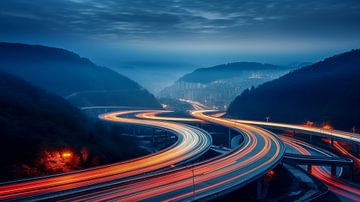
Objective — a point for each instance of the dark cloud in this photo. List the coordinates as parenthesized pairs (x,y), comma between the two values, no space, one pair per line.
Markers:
(178,21)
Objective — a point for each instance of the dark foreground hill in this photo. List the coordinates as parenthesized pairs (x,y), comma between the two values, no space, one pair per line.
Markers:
(38,128)
(67,74)
(327,91)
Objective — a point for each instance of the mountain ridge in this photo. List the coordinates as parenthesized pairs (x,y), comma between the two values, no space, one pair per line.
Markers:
(37,126)
(64,72)
(326,91)
(216,86)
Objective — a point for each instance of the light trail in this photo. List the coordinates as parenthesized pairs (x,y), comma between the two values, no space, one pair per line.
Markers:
(195,104)
(191,143)
(154,116)
(258,154)
(336,185)
(342,135)
(345,152)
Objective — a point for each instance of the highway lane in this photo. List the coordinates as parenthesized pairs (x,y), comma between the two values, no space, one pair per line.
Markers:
(195,104)
(191,143)
(154,115)
(343,189)
(258,154)
(329,133)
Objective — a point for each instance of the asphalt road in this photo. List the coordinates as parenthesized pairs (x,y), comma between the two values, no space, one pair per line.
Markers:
(258,154)
(191,143)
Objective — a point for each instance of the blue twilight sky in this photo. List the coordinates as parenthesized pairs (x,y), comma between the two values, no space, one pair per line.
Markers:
(198,32)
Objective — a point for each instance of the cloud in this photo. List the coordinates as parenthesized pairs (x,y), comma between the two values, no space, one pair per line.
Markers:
(181,20)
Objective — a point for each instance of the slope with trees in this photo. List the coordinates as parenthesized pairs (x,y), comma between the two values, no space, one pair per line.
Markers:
(327,91)
(67,74)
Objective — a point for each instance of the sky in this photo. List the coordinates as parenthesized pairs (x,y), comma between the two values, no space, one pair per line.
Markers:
(188,32)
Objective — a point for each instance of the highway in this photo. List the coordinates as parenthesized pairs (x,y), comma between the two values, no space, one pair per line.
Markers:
(154,116)
(190,144)
(338,186)
(343,189)
(329,133)
(258,154)
(134,180)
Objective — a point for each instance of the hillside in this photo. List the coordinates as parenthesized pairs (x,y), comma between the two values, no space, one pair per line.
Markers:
(218,85)
(36,128)
(68,75)
(327,91)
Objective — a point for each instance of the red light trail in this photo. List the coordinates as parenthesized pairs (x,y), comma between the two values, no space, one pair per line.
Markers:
(258,154)
(191,142)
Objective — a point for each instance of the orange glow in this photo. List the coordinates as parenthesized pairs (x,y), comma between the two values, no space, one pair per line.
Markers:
(190,143)
(327,127)
(353,137)
(271,173)
(309,123)
(260,151)
(66,154)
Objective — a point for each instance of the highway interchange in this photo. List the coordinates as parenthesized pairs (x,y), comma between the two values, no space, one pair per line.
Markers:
(169,175)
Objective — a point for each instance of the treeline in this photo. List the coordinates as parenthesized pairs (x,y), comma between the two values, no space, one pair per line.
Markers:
(38,130)
(327,91)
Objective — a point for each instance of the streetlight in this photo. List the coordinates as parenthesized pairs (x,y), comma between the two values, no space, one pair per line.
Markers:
(267,118)
(193,182)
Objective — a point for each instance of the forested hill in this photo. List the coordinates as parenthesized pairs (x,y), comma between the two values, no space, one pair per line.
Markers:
(71,76)
(36,127)
(327,91)
(227,71)
(217,86)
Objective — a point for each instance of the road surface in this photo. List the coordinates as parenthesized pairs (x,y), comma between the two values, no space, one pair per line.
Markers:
(329,133)
(258,154)
(345,190)
(191,143)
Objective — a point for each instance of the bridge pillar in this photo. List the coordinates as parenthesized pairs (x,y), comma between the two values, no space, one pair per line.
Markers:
(229,133)
(309,168)
(311,139)
(356,148)
(332,142)
(333,170)
(153,135)
(351,170)
(260,188)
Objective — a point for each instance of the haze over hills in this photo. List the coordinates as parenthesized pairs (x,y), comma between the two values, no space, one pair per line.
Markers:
(36,127)
(67,74)
(218,85)
(155,75)
(327,91)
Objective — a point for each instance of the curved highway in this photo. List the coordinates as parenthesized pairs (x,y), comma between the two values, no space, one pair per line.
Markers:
(329,133)
(342,188)
(154,116)
(191,143)
(338,186)
(258,154)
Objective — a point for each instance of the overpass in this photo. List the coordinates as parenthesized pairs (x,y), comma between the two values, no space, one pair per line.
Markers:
(352,138)
(310,161)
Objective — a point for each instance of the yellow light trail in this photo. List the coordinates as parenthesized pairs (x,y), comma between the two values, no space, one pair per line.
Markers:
(191,143)
(258,154)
